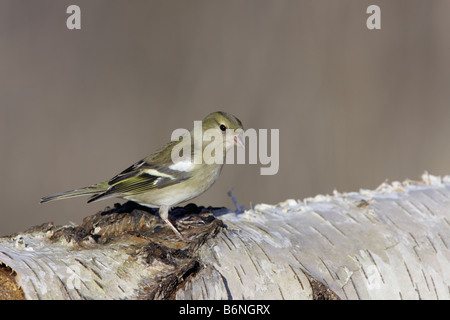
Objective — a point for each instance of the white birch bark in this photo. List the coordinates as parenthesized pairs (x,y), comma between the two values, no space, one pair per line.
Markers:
(389,243)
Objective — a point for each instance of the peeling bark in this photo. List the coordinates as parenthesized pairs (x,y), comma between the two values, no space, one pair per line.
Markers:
(390,243)
(9,289)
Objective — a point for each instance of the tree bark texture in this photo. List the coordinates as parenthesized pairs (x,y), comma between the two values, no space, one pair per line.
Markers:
(388,243)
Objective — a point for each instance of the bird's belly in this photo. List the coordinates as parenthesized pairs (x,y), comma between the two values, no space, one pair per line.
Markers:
(170,197)
(173,195)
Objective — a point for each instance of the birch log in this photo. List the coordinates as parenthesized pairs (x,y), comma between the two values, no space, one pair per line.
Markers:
(388,243)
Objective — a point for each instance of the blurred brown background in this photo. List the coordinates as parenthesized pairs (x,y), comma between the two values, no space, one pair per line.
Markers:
(354,106)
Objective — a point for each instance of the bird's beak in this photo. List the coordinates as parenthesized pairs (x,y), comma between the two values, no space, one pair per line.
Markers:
(239,141)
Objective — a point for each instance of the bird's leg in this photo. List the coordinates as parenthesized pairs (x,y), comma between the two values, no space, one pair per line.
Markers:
(164,214)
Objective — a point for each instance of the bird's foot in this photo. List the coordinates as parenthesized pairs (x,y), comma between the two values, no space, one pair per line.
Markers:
(178,233)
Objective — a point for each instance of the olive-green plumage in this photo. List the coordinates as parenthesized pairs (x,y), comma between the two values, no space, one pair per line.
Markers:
(158,181)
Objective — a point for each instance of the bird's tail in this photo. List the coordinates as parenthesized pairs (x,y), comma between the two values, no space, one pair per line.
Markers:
(91,190)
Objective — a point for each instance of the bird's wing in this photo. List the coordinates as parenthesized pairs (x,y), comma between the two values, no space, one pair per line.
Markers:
(142,177)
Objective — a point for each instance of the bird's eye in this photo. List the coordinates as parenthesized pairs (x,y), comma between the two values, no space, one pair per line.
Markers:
(222,127)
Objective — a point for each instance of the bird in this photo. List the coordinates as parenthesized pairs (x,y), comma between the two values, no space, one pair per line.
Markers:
(164,179)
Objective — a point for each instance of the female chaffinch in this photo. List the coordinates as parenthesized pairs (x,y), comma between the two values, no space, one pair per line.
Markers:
(159,181)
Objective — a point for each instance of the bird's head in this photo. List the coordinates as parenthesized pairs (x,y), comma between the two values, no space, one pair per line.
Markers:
(225,125)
